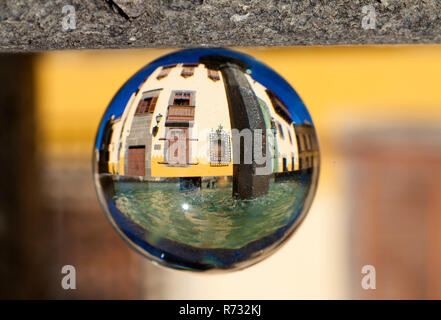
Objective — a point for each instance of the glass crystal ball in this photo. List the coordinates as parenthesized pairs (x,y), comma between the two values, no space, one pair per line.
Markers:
(206,160)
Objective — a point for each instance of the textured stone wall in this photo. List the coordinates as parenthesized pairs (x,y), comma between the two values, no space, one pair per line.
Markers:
(35,25)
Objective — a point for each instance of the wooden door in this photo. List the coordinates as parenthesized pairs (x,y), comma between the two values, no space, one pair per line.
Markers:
(136,161)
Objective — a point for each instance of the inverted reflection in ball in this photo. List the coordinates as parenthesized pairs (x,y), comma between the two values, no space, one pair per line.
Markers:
(206,159)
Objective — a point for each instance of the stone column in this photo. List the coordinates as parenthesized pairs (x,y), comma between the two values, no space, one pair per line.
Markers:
(245,113)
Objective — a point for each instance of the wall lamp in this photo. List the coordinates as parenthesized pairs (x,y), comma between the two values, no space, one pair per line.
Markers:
(155,128)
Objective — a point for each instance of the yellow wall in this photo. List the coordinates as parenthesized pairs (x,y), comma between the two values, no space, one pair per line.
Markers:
(341,86)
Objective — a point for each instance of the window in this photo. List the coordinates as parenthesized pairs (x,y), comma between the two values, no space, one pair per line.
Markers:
(213,74)
(300,142)
(307,142)
(188,70)
(279,106)
(279,127)
(289,136)
(146,105)
(182,98)
(311,141)
(165,71)
(181,110)
(220,148)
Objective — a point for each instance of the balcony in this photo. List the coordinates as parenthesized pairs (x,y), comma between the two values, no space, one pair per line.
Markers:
(179,115)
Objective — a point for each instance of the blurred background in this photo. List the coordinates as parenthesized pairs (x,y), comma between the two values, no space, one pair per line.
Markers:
(377,111)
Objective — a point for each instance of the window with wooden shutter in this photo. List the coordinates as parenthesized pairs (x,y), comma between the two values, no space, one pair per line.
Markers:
(181,110)
(146,105)
(213,74)
(165,70)
(220,148)
(182,98)
(188,70)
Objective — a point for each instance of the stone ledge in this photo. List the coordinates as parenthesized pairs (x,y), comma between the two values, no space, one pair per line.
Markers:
(36,25)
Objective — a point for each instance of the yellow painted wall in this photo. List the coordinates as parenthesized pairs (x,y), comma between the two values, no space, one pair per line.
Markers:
(341,86)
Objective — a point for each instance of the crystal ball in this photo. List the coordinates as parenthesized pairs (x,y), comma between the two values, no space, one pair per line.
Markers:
(206,160)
